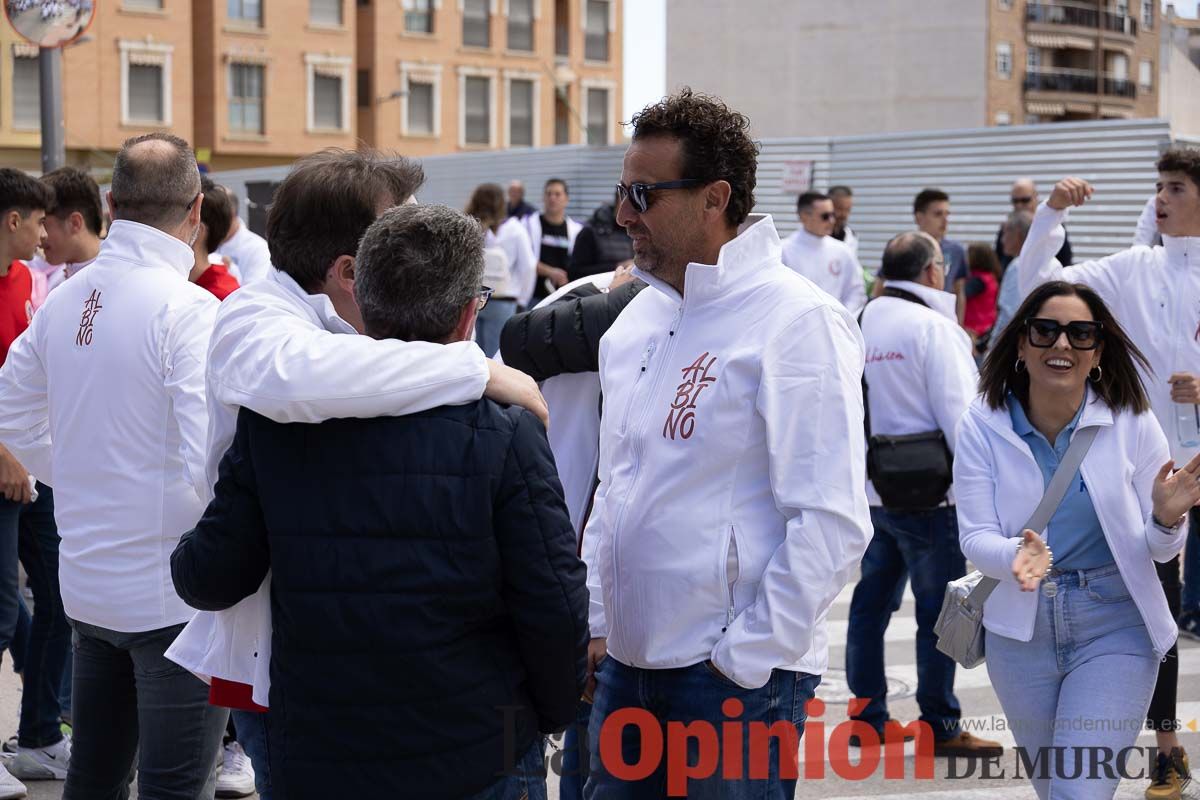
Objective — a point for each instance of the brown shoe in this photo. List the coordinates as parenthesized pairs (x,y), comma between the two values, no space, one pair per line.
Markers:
(1171,776)
(968,746)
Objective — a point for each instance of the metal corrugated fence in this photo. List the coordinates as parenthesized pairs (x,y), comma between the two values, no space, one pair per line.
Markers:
(976,167)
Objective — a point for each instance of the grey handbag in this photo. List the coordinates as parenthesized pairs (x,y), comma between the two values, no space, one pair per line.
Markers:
(959,626)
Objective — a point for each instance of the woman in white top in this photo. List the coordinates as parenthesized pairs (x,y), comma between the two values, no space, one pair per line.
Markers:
(488,206)
(1079,623)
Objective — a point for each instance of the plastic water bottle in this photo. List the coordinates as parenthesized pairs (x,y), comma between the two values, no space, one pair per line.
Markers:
(1187,419)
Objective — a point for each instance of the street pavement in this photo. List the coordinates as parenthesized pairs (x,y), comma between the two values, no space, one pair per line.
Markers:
(979,704)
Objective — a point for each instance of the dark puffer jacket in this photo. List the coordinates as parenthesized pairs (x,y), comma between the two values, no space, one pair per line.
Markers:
(600,246)
(429,611)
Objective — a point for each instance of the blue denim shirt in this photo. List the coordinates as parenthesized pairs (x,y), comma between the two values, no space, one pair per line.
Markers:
(1074,533)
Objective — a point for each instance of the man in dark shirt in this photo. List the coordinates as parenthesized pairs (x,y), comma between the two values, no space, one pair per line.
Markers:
(553,236)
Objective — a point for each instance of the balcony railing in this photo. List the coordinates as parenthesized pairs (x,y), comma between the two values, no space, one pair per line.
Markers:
(1120,23)
(1078,81)
(1081,16)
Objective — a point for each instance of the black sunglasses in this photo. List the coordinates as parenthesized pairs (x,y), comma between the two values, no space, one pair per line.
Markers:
(828,216)
(1021,200)
(1082,335)
(638,194)
(485,294)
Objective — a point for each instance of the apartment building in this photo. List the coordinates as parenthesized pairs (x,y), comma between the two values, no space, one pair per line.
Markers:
(261,82)
(459,75)
(807,67)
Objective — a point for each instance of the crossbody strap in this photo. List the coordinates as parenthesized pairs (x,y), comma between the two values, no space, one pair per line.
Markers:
(900,294)
(1055,492)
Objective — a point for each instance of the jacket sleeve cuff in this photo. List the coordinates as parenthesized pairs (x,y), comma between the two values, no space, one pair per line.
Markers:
(994,556)
(1164,543)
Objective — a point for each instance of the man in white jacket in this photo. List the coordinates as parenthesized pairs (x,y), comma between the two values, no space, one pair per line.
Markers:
(825,261)
(103,398)
(1155,294)
(245,248)
(286,348)
(920,378)
(731,509)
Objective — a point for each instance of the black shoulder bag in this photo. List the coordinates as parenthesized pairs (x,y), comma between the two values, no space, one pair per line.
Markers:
(911,472)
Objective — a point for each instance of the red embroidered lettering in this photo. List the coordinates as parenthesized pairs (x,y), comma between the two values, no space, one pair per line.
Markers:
(874,356)
(681,419)
(90,309)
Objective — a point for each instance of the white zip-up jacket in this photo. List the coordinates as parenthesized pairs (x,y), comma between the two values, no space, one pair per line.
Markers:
(999,485)
(1154,292)
(731,509)
(249,253)
(522,263)
(110,376)
(829,264)
(286,354)
(920,373)
(533,226)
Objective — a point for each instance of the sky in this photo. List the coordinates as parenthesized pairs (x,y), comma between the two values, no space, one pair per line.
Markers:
(646,50)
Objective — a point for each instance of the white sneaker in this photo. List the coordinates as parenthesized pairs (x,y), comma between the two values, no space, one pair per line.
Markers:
(235,776)
(10,787)
(42,763)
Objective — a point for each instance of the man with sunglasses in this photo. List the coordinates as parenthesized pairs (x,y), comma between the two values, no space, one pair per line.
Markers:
(1024,197)
(1155,293)
(730,510)
(814,253)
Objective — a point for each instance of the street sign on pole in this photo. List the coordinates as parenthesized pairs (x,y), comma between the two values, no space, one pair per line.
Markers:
(51,25)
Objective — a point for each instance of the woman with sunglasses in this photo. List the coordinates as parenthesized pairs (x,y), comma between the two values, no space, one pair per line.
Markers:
(1079,623)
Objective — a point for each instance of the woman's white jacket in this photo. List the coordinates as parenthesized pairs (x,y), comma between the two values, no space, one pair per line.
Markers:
(998,485)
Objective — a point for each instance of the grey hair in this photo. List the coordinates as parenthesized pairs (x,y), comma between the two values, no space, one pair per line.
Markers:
(155,179)
(1019,221)
(906,255)
(417,266)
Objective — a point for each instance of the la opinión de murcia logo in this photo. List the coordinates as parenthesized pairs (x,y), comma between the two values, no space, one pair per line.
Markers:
(90,309)
(681,419)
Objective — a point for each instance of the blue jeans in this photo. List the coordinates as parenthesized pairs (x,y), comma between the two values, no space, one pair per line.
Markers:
(527,781)
(1082,682)
(695,694)
(251,728)
(924,546)
(34,537)
(1191,565)
(575,755)
(131,703)
(490,322)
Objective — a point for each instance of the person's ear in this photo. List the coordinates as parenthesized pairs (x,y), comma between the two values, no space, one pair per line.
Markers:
(342,273)
(466,321)
(112,206)
(716,198)
(193,217)
(12,220)
(75,223)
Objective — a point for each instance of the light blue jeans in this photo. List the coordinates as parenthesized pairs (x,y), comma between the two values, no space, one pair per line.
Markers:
(1082,682)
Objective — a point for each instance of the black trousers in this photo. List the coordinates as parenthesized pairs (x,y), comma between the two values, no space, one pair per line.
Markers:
(1162,716)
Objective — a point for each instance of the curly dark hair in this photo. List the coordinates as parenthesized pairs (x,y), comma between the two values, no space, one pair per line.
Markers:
(716,144)
(1120,384)
(1182,159)
(75,191)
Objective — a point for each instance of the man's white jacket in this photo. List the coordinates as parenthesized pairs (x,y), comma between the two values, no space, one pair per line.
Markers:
(829,264)
(1154,292)
(103,399)
(920,373)
(286,354)
(999,485)
(731,509)
(249,253)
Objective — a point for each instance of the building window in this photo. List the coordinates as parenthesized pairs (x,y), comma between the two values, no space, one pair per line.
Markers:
(246,98)
(562,116)
(419,120)
(328,92)
(1003,118)
(1121,7)
(26,93)
(142,5)
(245,11)
(477,23)
(145,83)
(521,103)
(562,27)
(1033,59)
(1148,14)
(1004,60)
(418,16)
(1146,74)
(325,12)
(596,31)
(1005,5)
(597,116)
(520,25)
(477,110)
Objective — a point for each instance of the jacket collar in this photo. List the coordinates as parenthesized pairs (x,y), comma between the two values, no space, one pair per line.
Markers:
(941,302)
(143,245)
(320,304)
(809,240)
(1182,251)
(757,242)
(1095,413)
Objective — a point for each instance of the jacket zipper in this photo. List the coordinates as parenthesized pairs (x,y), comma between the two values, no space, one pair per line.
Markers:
(731,577)
(637,453)
(647,354)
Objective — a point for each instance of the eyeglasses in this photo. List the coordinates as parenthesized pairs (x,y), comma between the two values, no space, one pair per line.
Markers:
(828,216)
(188,207)
(1082,335)
(1020,201)
(638,194)
(485,294)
